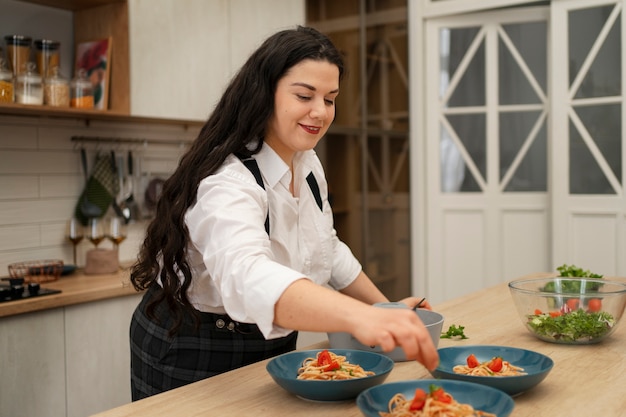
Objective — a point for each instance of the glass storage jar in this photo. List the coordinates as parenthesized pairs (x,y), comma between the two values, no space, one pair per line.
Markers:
(29,86)
(47,52)
(6,83)
(81,91)
(18,52)
(56,89)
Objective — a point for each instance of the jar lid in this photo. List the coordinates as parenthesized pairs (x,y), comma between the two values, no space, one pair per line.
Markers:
(17,40)
(47,44)
(3,65)
(80,80)
(30,76)
(55,76)
(5,74)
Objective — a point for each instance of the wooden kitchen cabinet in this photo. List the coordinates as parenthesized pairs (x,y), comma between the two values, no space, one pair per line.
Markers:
(184,53)
(32,364)
(98,355)
(70,361)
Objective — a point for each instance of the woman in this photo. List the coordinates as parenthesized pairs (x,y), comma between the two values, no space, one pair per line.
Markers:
(242,251)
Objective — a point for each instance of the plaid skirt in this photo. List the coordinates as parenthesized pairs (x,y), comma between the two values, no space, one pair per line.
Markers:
(160,363)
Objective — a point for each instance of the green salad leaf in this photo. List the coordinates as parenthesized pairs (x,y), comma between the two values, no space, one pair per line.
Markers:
(572,286)
(574,271)
(575,326)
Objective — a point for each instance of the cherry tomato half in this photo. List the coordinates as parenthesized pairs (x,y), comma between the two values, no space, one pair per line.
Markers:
(324,358)
(440,395)
(594,305)
(572,303)
(496,364)
(472,362)
(419,400)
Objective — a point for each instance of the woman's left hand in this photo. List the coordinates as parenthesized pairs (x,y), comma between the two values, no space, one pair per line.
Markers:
(412,302)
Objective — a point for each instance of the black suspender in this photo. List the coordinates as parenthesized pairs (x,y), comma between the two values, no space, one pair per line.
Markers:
(252,165)
(254,168)
(315,189)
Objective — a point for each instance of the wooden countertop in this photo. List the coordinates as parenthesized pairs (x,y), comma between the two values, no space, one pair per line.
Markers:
(585,380)
(76,288)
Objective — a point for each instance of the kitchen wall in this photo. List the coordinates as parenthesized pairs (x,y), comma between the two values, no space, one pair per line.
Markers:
(41,180)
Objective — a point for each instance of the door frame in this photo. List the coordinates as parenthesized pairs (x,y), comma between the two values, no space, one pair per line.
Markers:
(429,267)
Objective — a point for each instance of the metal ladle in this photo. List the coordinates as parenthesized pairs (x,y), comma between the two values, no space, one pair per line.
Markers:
(88,208)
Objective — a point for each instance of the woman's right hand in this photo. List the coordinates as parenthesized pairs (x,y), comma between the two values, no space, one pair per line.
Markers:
(307,306)
(391,328)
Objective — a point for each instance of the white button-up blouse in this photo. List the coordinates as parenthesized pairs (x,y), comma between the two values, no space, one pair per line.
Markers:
(239,271)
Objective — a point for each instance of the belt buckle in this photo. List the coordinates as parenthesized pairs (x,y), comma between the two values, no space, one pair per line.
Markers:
(232,326)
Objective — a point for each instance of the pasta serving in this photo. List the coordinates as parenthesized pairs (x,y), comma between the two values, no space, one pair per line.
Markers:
(494,367)
(330,366)
(436,403)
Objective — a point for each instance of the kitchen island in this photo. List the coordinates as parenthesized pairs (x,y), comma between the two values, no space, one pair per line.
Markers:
(585,380)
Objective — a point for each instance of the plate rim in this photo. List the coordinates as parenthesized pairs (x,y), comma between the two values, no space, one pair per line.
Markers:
(387,363)
(510,403)
(513,385)
(384,358)
(512,348)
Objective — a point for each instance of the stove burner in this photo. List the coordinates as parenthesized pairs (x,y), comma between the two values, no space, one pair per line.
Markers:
(16,290)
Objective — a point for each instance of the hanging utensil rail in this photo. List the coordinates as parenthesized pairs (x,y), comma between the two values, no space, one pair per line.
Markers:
(145,142)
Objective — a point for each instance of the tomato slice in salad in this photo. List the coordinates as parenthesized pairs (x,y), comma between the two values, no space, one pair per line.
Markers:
(572,303)
(594,305)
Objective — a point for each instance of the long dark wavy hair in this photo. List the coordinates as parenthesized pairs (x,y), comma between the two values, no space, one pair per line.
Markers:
(238,120)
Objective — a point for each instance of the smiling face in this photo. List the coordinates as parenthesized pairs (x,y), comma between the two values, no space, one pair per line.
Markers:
(304,107)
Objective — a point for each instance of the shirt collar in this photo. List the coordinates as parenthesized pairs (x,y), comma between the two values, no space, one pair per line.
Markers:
(274,169)
(271,165)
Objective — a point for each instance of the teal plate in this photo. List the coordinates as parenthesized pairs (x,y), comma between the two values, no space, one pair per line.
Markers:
(536,366)
(284,370)
(480,397)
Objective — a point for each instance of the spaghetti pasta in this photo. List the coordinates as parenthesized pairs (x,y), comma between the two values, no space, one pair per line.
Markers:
(487,368)
(435,404)
(330,366)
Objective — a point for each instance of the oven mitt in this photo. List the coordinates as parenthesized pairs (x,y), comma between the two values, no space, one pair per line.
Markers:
(101,189)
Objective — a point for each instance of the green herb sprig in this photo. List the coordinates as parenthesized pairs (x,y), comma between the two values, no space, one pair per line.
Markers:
(454,332)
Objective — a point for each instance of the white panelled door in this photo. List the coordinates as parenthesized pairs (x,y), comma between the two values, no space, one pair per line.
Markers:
(589,203)
(486,133)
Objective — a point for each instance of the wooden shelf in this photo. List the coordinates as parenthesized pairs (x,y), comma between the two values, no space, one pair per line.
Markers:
(14,109)
(73,5)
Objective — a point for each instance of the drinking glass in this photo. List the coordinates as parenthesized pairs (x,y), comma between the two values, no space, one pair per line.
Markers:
(74,233)
(95,232)
(116,231)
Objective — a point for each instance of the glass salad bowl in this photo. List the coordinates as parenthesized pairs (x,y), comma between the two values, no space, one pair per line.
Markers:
(569,310)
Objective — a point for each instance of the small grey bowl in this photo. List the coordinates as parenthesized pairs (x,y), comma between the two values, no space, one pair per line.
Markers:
(431,319)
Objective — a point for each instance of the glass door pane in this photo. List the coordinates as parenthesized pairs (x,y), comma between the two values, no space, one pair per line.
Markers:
(520,111)
(595,85)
